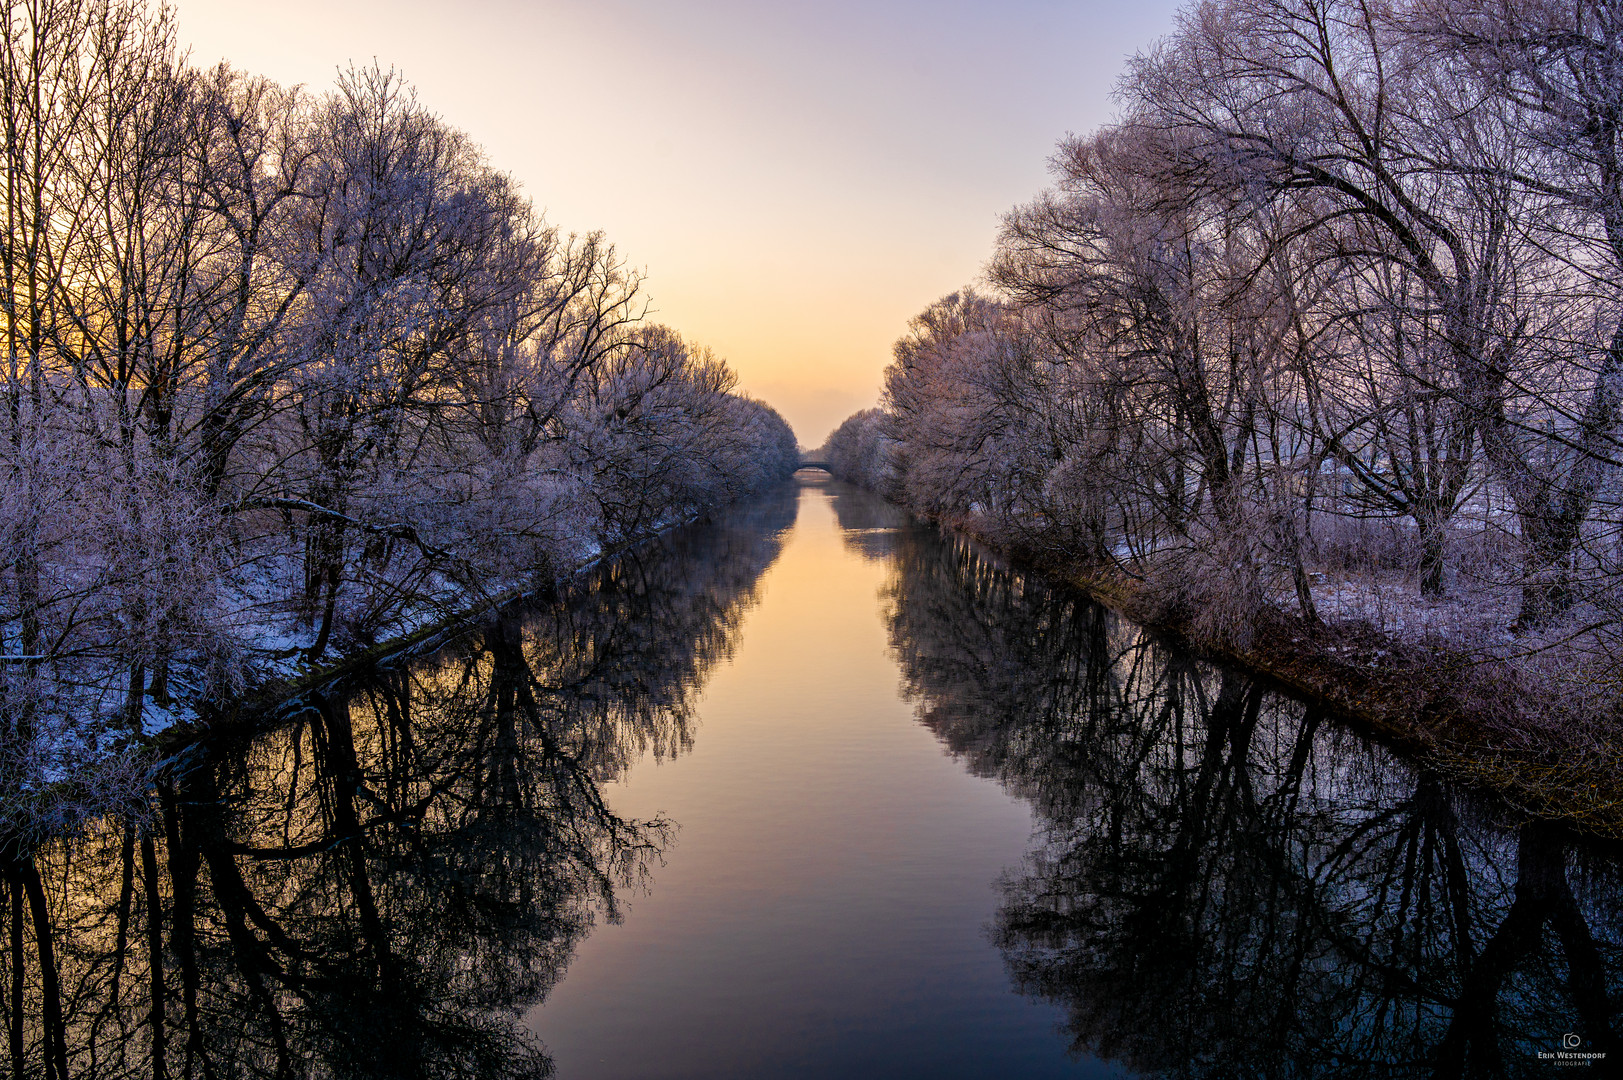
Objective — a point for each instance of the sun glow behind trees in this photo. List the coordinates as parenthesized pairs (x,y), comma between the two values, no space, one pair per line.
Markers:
(797,178)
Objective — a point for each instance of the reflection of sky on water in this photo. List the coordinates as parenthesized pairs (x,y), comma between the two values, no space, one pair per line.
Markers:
(824,911)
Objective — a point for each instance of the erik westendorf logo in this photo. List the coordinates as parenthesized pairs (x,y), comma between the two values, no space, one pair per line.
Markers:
(1570,1054)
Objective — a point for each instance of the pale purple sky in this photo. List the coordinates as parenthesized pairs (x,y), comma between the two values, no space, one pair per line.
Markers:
(797,179)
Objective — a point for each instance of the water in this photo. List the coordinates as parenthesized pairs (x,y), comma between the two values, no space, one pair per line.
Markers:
(815,791)
(823,911)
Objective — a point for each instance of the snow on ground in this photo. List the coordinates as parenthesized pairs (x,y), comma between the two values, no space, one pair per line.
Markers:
(1461,617)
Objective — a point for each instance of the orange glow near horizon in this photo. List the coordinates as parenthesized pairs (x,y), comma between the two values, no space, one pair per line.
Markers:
(797,180)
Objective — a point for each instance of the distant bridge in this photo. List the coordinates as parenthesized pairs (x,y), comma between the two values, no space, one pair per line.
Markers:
(806,463)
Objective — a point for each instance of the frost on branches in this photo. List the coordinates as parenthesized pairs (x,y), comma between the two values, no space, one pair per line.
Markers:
(286,376)
(1329,322)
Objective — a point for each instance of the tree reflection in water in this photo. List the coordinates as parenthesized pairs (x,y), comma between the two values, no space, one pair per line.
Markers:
(1225,883)
(385,883)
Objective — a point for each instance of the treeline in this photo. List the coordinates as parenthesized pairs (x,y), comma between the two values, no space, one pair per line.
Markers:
(289,373)
(1331,314)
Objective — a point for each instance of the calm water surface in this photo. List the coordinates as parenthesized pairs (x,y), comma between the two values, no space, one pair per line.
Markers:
(814,791)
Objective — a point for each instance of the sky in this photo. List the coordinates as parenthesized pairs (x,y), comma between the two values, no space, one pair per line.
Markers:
(797,180)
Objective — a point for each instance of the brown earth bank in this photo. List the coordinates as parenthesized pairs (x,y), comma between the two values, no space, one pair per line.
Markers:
(1480,721)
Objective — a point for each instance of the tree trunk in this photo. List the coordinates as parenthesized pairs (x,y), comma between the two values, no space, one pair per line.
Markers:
(1433,552)
(155,1014)
(17,1031)
(1547,587)
(56,1044)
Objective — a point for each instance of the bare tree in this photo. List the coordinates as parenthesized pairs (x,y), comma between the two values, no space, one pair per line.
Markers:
(1553,445)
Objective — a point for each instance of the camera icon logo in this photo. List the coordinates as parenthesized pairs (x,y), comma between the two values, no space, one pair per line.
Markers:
(1570,1041)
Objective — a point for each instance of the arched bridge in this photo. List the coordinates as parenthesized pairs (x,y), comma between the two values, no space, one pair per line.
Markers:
(808,463)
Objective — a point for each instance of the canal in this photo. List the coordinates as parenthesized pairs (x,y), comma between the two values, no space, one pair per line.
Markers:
(813,790)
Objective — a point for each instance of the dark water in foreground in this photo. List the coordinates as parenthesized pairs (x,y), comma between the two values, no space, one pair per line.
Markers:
(812,792)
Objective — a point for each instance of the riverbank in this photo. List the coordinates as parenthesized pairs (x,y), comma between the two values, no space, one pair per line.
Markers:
(108,776)
(117,773)
(278,686)
(1478,718)
(1475,720)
